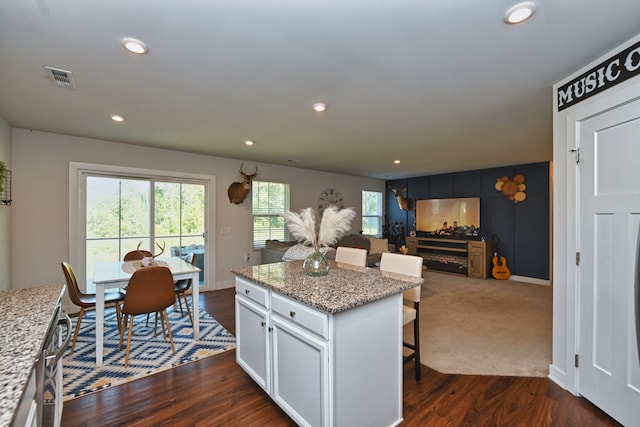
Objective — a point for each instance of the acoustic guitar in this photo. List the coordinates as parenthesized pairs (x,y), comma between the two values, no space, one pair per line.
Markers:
(500,270)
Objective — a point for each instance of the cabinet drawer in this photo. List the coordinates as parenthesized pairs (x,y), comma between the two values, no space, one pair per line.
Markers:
(254,292)
(476,246)
(300,314)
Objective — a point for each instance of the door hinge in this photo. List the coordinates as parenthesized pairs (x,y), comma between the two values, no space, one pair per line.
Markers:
(577,258)
(576,360)
(577,151)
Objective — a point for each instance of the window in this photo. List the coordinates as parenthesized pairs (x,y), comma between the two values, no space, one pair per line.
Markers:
(269,201)
(372,212)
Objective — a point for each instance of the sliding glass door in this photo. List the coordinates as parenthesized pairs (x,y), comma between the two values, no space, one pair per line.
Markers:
(166,217)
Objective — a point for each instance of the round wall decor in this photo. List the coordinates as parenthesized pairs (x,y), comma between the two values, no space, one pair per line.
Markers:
(330,196)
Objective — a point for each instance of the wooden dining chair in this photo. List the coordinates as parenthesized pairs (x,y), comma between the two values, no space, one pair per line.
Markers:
(411,266)
(136,255)
(87,301)
(180,288)
(353,256)
(150,290)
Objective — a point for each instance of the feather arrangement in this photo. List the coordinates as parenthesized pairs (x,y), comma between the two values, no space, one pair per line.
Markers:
(302,225)
(334,224)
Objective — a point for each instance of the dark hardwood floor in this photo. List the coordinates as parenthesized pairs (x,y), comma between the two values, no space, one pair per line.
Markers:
(216,392)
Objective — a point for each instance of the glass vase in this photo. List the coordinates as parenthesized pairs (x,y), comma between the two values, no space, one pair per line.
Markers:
(316,264)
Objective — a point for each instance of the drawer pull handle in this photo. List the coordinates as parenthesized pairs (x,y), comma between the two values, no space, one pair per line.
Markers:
(246,291)
(292,313)
(262,324)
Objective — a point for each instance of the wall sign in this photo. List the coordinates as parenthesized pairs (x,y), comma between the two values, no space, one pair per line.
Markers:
(605,75)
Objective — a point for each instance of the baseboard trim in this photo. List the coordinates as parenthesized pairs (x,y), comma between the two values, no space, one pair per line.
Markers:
(224,284)
(530,280)
(557,376)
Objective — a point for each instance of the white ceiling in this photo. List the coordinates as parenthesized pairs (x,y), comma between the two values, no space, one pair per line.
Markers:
(441,85)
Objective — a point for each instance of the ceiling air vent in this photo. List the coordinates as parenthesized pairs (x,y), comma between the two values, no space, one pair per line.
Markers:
(60,78)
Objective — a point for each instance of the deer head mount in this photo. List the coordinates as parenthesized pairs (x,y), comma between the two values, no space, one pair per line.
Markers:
(238,190)
(403,202)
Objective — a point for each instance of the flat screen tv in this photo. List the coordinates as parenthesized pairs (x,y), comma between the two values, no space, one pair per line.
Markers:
(448,216)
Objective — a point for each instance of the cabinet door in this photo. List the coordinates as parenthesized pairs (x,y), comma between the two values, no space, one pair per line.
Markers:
(477,261)
(475,264)
(252,341)
(300,373)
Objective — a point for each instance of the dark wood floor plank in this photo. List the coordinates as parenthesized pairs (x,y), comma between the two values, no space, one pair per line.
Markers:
(217,392)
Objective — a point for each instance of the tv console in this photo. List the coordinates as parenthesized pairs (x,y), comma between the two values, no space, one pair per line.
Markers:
(449,255)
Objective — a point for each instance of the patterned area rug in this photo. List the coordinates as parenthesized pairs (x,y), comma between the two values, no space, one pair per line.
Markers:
(149,354)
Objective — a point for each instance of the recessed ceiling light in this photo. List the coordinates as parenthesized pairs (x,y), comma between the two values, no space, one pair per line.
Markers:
(135,46)
(249,142)
(319,107)
(397,162)
(117,118)
(520,12)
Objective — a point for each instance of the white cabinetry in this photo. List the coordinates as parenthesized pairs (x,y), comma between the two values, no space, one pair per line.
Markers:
(254,355)
(300,360)
(322,369)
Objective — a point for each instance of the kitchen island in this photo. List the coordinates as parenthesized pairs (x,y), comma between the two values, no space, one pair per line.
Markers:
(328,350)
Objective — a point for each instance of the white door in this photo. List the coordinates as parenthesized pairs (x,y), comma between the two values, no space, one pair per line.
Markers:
(608,221)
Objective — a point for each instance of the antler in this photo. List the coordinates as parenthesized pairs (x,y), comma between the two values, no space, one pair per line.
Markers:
(247,175)
(138,250)
(161,249)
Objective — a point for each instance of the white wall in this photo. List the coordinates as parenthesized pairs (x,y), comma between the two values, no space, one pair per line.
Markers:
(5,211)
(565,327)
(40,211)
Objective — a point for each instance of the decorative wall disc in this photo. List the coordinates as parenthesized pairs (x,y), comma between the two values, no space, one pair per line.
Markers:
(512,188)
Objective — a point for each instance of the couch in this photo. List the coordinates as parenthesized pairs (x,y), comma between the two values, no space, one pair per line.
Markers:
(274,250)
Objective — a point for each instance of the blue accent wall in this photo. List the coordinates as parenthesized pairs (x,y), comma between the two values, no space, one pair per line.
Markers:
(522,228)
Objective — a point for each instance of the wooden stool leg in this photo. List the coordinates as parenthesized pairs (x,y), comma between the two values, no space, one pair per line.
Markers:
(416,342)
(125,321)
(180,304)
(126,358)
(166,319)
(75,334)
(118,314)
(186,302)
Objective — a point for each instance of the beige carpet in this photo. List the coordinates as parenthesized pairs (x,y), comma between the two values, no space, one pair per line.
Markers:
(484,327)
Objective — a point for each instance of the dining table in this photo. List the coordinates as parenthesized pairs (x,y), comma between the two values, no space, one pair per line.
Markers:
(117,274)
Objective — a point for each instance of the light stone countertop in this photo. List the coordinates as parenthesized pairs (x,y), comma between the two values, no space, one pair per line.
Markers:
(344,288)
(25,315)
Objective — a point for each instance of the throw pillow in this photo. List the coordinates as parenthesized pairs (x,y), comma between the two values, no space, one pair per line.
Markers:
(378,246)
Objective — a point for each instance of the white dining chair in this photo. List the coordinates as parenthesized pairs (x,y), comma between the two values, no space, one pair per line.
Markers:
(411,266)
(353,256)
